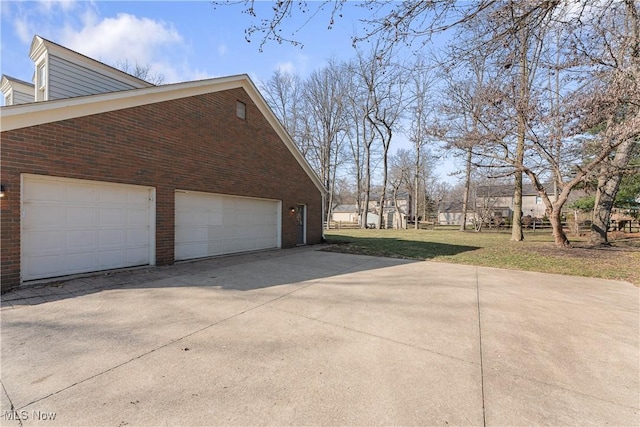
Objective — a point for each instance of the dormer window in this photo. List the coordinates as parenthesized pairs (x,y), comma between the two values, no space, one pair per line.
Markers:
(42,76)
(41,82)
(8,99)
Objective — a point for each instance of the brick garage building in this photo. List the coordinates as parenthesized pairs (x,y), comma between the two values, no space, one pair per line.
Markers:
(148,176)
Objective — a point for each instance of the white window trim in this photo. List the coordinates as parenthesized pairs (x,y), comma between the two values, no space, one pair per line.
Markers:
(41,82)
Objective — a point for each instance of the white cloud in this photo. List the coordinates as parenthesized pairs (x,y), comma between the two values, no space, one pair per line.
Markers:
(286,67)
(298,65)
(23,30)
(222,49)
(137,39)
(123,38)
(48,5)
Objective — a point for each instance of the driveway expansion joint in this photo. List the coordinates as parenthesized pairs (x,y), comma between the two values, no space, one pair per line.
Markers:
(369,334)
(484,415)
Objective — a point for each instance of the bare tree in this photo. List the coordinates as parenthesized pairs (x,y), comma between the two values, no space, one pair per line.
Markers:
(359,137)
(384,83)
(401,181)
(362,106)
(623,60)
(522,132)
(143,72)
(422,112)
(284,94)
(326,102)
(461,110)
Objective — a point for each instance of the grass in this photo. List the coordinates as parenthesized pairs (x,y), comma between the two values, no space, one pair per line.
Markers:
(621,261)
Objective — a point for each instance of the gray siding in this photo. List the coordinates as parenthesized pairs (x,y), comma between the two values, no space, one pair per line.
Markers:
(22,97)
(68,80)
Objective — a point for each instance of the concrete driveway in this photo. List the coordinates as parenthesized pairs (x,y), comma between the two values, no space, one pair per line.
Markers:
(304,337)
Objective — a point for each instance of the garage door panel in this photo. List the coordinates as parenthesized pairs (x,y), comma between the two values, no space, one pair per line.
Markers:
(107,259)
(192,250)
(227,224)
(80,240)
(77,263)
(81,193)
(230,231)
(113,196)
(47,265)
(137,217)
(52,217)
(216,218)
(192,234)
(139,256)
(137,198)
(81,216)
(189,218)
(215,247)
(74,226)
(138,237)
(111,238)
(44,242)
(111,217)
(45,192)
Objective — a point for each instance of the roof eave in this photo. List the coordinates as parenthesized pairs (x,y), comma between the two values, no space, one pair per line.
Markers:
(33,114)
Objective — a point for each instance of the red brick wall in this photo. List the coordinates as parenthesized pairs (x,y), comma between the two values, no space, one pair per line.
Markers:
(195,143)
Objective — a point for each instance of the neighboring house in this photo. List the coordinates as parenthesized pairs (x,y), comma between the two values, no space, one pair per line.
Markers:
(345,213)
(495,202)
(450,213)
(109,171)
(394,212)
(498,199)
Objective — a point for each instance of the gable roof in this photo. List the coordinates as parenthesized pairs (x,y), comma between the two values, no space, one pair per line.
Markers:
(349,208)
(26,115)
(506,190)
(9,79)
(40,45)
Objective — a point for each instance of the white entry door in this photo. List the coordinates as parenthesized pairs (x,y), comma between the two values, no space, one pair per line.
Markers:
(72,226)
(213,224)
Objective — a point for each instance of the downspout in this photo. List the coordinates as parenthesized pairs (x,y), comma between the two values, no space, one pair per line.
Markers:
(324,199)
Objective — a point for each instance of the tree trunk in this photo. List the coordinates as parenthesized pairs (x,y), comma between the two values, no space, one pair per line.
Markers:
(516,223)
(606,194)
(385,170)
(416,184)
(522,111)
(559,237)
(465,197)
(367,194)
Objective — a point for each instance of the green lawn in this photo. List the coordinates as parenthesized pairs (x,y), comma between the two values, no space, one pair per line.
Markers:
(492,249)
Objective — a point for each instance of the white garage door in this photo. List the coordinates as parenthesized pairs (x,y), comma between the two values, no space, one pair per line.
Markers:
(75,226)
(212,224)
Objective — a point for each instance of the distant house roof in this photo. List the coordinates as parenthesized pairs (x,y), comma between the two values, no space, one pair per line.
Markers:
(506,190)
(454,206)
(345,208)
(388,195)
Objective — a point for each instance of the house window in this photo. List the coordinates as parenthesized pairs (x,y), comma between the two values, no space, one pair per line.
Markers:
(538,200)
(8,99)
(241,110)
(42,76)
(41,82)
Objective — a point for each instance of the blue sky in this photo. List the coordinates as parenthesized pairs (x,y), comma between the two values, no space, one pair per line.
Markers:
(185,40)
(180,40)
